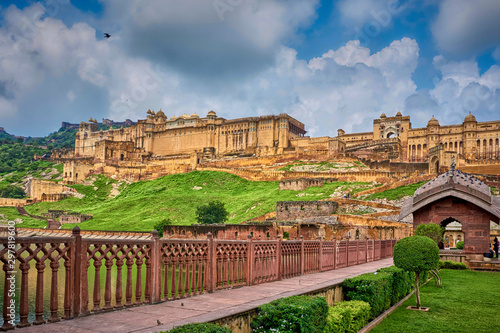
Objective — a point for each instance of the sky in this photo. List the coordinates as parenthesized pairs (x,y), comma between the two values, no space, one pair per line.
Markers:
(329,63)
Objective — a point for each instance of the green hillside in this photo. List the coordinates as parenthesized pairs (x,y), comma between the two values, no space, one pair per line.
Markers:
(141,204)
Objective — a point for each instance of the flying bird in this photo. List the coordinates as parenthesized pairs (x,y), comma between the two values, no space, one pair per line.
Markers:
(106,35)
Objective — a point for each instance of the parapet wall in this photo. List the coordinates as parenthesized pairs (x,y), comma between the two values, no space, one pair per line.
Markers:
(9,202)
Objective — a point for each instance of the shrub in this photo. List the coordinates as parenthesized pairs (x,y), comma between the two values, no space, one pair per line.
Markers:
(160,226)
(213,212)
(401,284)
(452,265)
(460,245)
(348,316)
(431,230)
(305,314)
(416,254)
(200,328)
(373,288)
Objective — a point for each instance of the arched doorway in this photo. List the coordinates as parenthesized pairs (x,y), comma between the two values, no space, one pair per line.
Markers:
(434,164)
(452,232)
(390,135)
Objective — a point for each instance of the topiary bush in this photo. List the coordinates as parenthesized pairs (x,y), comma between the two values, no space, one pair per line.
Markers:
(200,328)
(401,284)
(431,230)
(452,265)
(348,316)
(373,288)
(416,254)
(460,245)
(305,314)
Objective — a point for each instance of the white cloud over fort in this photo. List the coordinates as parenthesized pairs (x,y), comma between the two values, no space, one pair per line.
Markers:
(186,60)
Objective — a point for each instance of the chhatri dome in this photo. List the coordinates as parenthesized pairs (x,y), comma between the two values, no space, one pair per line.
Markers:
(433,122)
(470,118)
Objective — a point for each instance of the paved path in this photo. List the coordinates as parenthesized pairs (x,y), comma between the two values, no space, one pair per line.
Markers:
(203,308)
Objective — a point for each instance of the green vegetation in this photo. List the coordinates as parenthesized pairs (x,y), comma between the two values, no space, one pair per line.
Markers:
(305,314)
(200,328)
(348,316)
(12,214)
(416,254)
(141,205)
(460,245)
(63,138)
(380,289)
(397,193)
(12,191)
(468,302)
(431,230)
(213,212)
(160,226)
(452,265)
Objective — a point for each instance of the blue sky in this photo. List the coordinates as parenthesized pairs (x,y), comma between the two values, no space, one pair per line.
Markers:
(331,64)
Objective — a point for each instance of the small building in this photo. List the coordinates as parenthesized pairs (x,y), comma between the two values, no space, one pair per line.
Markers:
(456,197)
(293,210)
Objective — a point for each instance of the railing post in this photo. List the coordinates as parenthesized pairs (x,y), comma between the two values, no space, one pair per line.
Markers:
(334,253)
(77,272)
(320,256)
(373,257)
(302,255)
(278,258)
(250,260)
(155,267)
(212,262)
(366,250)
(347,251)
(357,250)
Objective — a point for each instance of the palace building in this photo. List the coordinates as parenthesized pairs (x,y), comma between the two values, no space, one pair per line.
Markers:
(471,140)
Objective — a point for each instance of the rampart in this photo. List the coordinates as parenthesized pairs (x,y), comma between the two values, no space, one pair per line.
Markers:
(302,183)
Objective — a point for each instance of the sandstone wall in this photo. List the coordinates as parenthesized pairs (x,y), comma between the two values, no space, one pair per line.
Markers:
(9,202)
(292,210)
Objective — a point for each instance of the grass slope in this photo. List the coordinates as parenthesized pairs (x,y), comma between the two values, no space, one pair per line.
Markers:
(141,204)
(468,302)
(397,193)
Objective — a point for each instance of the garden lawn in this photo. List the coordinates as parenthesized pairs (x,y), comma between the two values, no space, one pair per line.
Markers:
(397,193)
(468,302)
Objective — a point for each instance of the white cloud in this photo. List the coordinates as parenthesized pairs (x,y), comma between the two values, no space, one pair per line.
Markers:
(466,27)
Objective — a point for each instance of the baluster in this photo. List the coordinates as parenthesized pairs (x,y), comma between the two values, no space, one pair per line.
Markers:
(119,284)
(149,276)
(54,265)
(193,275)
(128,288)
(200,275)
(6,298)
(97,285)
(67,287)
(179,278)
(186,277)
(24,306)
(138,284)
(107,288)
(40,267)
(166,270)
(174,277)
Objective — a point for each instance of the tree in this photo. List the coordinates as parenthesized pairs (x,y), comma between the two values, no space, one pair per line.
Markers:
(416,254)
(214,212)
(431,230)
(11,191)
(160,226)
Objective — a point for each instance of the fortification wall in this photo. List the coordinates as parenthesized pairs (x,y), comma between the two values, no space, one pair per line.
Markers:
(482,169)
(37,188)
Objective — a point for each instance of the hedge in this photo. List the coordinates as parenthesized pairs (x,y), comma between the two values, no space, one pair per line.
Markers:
(452,265)
(373,288)
(460,245)
(348,316)
(401,284)
(200,328)
(305,314)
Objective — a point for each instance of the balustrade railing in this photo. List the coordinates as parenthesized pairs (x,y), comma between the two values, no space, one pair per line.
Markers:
(89,275)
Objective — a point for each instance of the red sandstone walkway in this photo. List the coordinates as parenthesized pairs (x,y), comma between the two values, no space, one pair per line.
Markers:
(203,308)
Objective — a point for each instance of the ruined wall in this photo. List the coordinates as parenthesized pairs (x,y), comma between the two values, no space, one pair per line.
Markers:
(292,210)
(9,202)
(221,231)
(74,218)
(44,190)
(300,184)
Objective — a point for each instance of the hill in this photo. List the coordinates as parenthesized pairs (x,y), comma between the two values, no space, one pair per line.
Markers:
(140,205)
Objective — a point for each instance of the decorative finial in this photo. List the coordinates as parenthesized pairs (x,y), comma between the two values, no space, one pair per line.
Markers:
(453,164)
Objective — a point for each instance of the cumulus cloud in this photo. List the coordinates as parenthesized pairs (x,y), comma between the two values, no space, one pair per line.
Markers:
(460,89)
(209,39)
(466,27)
